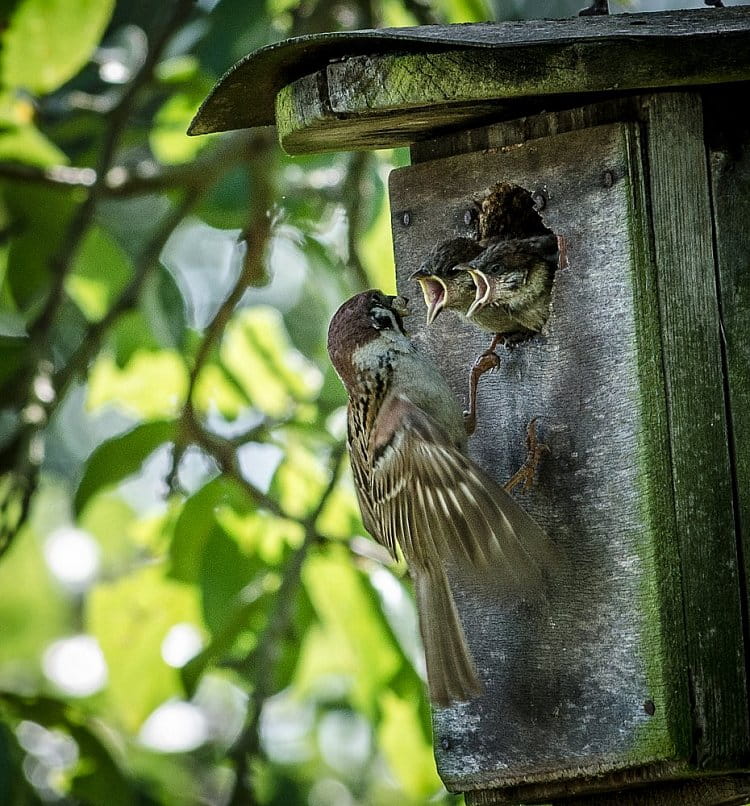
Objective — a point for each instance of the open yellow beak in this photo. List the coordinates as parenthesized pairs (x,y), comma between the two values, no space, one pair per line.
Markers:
(482,295)
(435,294)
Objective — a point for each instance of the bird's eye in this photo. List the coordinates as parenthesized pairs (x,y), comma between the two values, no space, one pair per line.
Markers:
(385,319)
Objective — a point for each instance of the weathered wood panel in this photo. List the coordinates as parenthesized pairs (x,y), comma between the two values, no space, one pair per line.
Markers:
(571,683)
(245,95)
(681,214)
(728,137)
(366,102)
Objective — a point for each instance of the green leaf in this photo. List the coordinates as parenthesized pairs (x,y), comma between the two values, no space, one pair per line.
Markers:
(256,350)
(28,145)
(168,139)
(405,748)
(100,273)
(300,479)
(34,610)
(130,618)
(49,41)
(358,641)
(38,237)
(197,519)
(152,385)
(118,458)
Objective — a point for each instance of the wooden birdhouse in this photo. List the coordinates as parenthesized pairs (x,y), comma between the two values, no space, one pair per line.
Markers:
(629,136)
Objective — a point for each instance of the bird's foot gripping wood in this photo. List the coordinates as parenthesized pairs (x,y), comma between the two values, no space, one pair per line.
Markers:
(527,472)
(486,362)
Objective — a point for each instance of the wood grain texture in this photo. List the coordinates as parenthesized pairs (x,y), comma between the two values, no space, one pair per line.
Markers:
(681,216)
(567,679)
(389,100)
(245,95)
(728,135)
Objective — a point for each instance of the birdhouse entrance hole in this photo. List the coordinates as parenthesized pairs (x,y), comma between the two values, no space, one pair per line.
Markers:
(509,212)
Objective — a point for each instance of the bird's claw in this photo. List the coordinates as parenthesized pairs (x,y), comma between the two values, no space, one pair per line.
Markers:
(526,474)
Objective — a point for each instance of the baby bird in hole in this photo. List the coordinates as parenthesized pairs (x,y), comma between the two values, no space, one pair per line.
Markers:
(502,286)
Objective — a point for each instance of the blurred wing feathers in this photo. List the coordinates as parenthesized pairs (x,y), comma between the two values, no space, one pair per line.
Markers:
(436,502)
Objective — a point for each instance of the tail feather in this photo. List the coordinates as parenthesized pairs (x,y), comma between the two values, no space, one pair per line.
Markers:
(451,672)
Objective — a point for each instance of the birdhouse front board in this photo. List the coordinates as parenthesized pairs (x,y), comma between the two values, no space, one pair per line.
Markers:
(631,663)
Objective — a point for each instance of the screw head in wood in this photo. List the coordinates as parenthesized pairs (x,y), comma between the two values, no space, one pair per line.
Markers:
(406,218)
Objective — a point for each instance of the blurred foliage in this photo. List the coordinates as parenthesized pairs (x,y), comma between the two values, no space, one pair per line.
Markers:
(190,612)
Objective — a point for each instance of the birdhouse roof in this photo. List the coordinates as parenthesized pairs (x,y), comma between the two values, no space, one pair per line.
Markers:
(470,69)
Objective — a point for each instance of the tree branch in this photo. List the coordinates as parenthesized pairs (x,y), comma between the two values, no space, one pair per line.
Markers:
(266,654)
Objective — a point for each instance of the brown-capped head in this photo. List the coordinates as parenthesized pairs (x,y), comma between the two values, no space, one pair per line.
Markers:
(360,320)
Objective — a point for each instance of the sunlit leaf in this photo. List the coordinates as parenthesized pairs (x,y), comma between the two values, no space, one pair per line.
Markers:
(197,519)
(262,533)
(300,479)
(118,458)
(376,250)
(257,351)
(151,385)
(100,272)
(404,746)
(168,139)
(215,391)
(340,517)
(39,61)
(34,609)
(365,648)
(28,145)
(130,618)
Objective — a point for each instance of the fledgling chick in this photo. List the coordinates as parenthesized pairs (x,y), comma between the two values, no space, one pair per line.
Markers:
(513,282)
(418,490)
(444,286)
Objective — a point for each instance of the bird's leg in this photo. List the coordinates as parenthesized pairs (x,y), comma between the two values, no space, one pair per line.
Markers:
(526,473)
(487,361)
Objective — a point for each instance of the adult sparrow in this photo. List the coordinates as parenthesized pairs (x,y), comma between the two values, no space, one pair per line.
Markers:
(444,286)
(419,491)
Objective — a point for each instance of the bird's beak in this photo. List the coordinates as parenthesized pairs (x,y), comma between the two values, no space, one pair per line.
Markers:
(435,294)
(482,295)
(400,305)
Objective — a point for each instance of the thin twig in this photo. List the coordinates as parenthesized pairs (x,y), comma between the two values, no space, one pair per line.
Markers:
(146,176)
(265,656)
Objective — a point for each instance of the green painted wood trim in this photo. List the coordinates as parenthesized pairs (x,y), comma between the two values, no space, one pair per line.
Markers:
(391,100)
(682,230)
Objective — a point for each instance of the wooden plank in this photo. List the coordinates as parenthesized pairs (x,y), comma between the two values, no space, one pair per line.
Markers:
(245,95)
(570,682)
(728,137)
(730,790)
(681,214)
(390,100)
(531,127)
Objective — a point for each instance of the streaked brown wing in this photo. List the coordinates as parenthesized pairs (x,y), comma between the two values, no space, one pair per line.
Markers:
(433,500)
(360,468)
